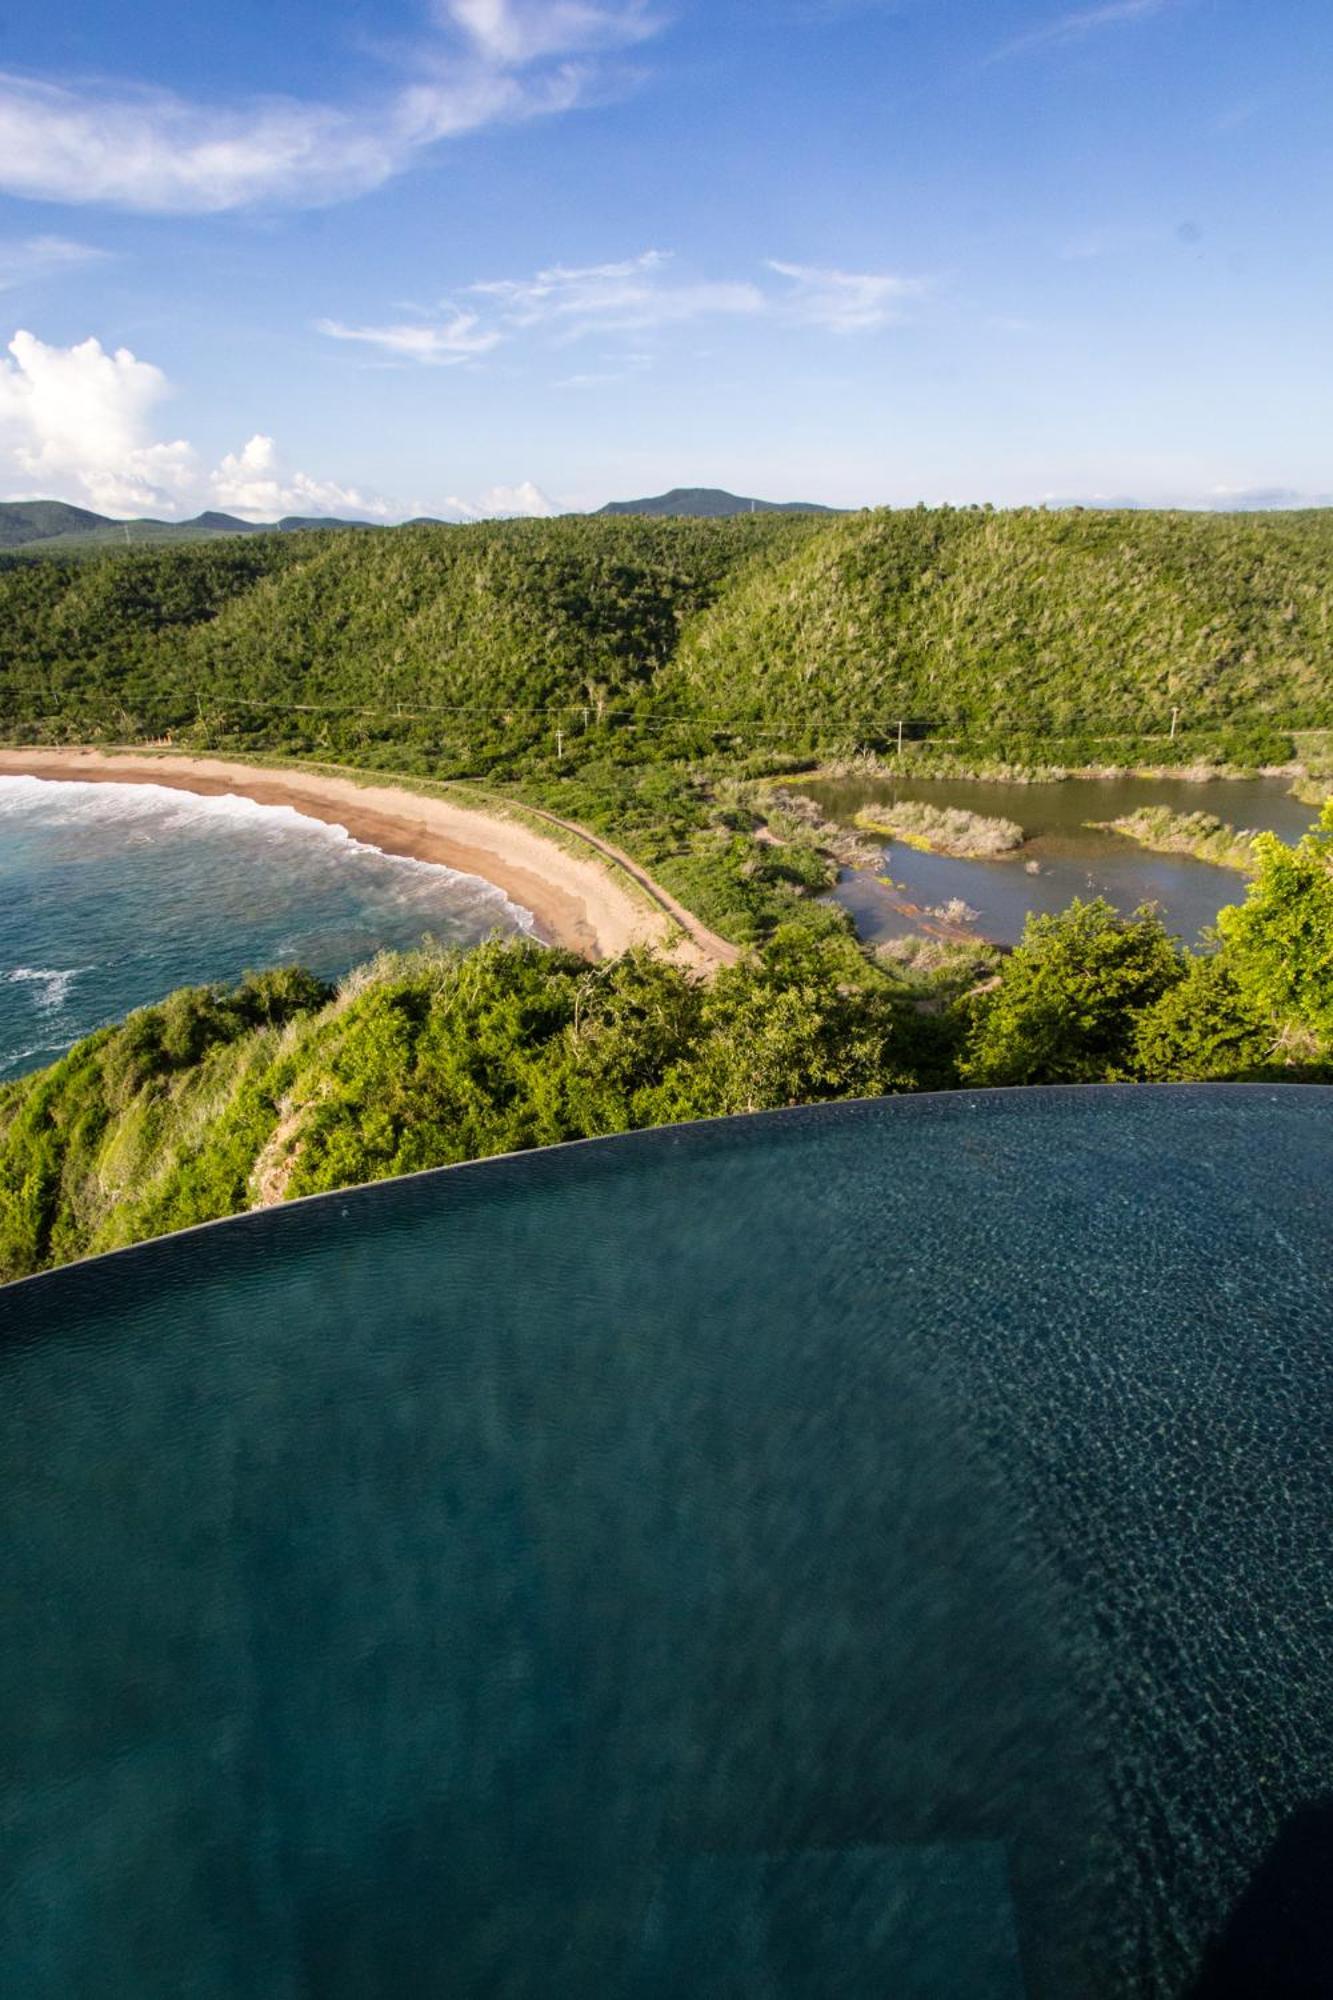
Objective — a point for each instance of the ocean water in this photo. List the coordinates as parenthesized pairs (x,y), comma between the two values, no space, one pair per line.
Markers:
(111,895)
(879,1551)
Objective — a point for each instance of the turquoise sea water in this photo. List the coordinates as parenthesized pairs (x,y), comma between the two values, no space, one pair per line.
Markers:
(873,1553)
(110,895)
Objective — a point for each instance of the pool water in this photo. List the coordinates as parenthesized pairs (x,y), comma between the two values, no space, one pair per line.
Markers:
(875,1550)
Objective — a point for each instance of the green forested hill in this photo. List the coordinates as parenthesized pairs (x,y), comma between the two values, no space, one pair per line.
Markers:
(25,521)
(710,503)
(1069,623)
(811,629)
(43,527)
(475,622)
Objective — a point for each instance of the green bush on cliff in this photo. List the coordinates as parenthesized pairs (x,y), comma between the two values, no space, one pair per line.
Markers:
(215,1102)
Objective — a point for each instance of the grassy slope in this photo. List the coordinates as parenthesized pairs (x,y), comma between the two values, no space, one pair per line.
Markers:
(214,1102)
(813,630)
(1062,622)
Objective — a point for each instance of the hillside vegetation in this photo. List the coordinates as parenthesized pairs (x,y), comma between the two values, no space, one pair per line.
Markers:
(447,641)
(1061,624)
(453,649)
(215,1102)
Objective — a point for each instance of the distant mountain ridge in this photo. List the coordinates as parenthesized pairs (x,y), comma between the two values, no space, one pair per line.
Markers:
(40,525)
(711,503)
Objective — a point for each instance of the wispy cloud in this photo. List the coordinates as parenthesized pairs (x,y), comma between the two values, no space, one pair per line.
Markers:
(627,297)
(1112,239)
(39,257)
(136,147)
(1120,239)
(637,296)
(517,32)
(845,301)
(1068,28)
(617,368)
(442,344)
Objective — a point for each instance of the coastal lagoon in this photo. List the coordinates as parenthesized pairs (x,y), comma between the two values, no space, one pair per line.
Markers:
(878,1550)
(111,895)
(1063,856)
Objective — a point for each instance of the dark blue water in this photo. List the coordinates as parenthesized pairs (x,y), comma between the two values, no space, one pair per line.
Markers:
(874,1553)
(111,895)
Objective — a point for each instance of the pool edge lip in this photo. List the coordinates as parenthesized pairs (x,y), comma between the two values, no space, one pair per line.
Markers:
(750,1121)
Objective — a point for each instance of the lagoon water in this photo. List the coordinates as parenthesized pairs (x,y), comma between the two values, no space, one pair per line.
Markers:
(880,1550)
(111,895)
(1063,857)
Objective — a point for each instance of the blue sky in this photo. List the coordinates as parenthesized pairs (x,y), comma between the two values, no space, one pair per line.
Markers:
(389,256)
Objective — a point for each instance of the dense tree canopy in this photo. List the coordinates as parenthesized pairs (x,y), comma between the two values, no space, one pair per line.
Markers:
(447,648)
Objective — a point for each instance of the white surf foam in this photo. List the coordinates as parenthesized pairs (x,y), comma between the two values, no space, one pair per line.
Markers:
(50,984)
(160,810)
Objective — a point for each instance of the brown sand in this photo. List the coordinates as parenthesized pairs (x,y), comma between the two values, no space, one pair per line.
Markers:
(596,901)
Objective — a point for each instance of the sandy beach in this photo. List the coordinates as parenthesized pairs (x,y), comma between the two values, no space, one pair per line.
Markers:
(598,902)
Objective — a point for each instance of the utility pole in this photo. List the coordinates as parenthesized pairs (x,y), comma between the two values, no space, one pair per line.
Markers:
(559,743)
(1175,717)
(900,739)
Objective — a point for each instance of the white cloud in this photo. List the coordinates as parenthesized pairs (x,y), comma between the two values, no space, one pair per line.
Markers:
(1112,239)
(254,484)
(441,344)
(77,423)
(1085,21)
(74,421)
(506,503)
(38,257)
(846,301)
(523,31)
(148,149)
(625,297)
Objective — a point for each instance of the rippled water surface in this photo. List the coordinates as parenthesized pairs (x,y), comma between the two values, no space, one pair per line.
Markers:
(878,1552)
(110,895)
(1063,857)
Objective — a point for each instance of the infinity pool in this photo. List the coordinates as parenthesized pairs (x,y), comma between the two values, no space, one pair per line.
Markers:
(878,1551)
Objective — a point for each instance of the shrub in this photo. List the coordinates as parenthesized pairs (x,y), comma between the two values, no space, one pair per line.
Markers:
(1064,1007)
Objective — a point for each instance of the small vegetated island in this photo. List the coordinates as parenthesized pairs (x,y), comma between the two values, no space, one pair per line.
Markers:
(943,829)
(660,684)
(1201,835)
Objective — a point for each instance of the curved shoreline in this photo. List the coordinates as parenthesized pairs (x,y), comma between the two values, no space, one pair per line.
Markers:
(597,907)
